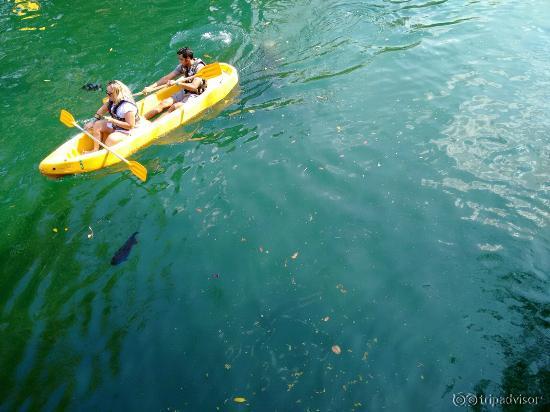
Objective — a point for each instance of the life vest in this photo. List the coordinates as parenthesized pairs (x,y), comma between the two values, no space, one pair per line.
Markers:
(114,107)
(191,71)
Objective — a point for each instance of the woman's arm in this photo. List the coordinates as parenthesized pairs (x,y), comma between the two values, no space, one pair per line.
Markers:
(101,111)
(98,115)
(129,123)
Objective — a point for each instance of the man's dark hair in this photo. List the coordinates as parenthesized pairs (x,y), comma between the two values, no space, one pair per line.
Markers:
(185,52)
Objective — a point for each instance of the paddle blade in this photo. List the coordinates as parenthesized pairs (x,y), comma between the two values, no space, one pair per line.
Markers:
(138,170)
(66,118)
(210,71)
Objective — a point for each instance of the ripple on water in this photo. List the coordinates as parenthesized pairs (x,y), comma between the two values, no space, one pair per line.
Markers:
(210,35)
(499,139)
(221,36)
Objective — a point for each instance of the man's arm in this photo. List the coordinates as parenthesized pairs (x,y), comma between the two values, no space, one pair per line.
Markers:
(161,81)
(193,87)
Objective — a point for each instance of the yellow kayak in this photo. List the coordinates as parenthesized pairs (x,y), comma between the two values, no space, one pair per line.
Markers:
(69,158)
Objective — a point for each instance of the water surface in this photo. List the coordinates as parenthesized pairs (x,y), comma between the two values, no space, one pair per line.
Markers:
(380,182)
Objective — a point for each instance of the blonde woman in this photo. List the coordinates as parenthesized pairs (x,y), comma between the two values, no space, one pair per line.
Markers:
(122,115)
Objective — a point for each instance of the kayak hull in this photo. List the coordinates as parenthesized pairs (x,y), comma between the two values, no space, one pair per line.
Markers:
(69,158)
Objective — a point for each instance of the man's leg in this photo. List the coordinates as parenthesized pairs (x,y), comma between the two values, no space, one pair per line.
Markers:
(180,99)
(163,105)
(175,106)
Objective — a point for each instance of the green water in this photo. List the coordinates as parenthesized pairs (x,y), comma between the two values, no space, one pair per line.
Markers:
(380,182)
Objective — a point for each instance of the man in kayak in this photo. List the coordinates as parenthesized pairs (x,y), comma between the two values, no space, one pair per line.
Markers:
(187,67)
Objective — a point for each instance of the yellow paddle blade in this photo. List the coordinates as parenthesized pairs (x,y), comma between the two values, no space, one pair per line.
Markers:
(210,71)
(138,169)
(135,167)
(66,118)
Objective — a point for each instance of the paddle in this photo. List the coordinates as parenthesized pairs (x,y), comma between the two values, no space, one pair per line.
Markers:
(135,167)
(207,72)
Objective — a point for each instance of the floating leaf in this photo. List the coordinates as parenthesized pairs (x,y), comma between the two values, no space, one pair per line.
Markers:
(55,229)
(239,399)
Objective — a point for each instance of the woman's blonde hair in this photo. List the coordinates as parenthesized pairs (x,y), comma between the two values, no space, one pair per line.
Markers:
(120,92)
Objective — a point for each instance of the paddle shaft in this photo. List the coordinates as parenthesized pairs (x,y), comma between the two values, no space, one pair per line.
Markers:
(154,89)
(157,88)
(102,144)
(162,86)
